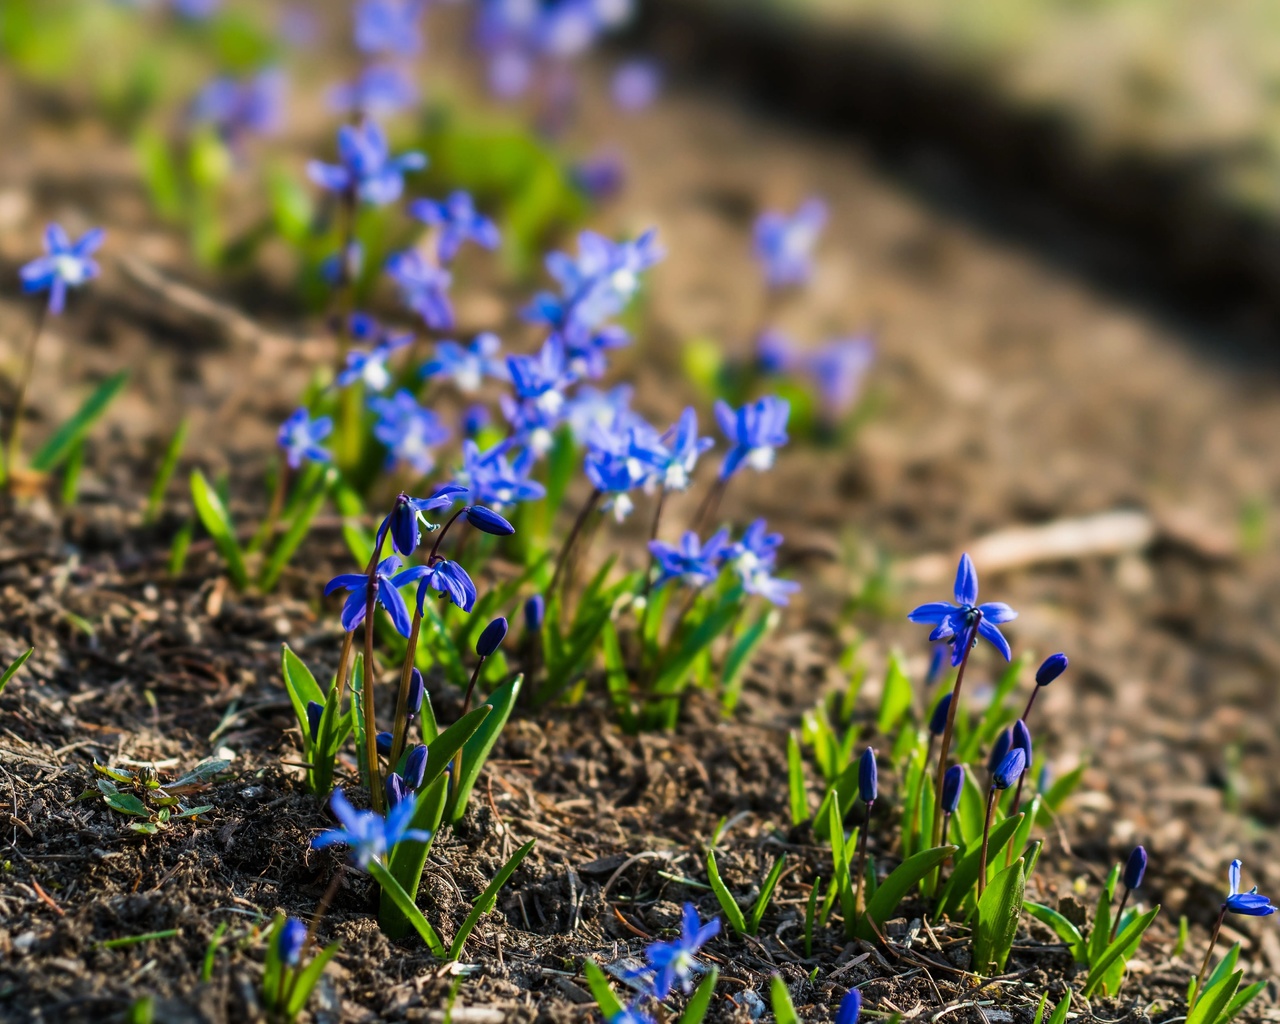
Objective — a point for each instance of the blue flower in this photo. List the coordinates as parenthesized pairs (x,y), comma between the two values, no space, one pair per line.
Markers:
(333,269)
(1021,738)
(365,169)
(775,352)
(1010,768)
(424,287)
(370,366)
(630,1015)
(868,777)
(64,265)
(490,478)
(1251,903)
(290,938)
(837,370)
(674,960)
(458,221)
(387,580)
(674,458)
(998,749)
(450,580)
(635,85)
(535,609)
(488,521)
(379,89)
(542,377)
(784,245)
(236,108)
(415,764)
(403,519)
(756,431)
(389,26)
(952,784)
(850,1007)
(753,558)
(196,10)
(370,835)
(761,582)
(468,366)
(417,689)
(300,437)
(409,431)
(693,563)
(600,176)
(966,620)
(475,418)
(934,671)
(590,406)
(1135,868)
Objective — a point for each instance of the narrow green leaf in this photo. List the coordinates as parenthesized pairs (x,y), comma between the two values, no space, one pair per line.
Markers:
(964,877)
(58,447)
(1124,946)
(1215,1000)
(299,526)
(133,940)
(618,680)
(357,718)
(488,898)
(301,686)
(739,657)
(1039,1017)
(784,1011)
(410,857)
(795,782)
(168,466)
(449,742)
(999,908)
(14,665)
(308,978)
(728,904)
(407,907)
(476,750)
(179,548)
(766,894)
(700,1002)
(1060,1011)
(1062,927)
(211,951)
(213,515)
(895,699)
(894,889)
(600,988)
(1241,999)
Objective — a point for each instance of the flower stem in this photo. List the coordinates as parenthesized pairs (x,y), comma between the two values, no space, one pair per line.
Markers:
(400,731)
(466,708)
(1030,701)
(268,527)
(344,663)
(1115,921)
(945,748)
(435,548)
(1208,954)
(1017,799)
(648,576)
(14,426)
(572,539)
(710,504)
(862,859)
(986,836)
(370,724)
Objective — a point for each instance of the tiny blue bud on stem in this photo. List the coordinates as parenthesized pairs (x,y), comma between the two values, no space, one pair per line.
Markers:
(938,720)
(488,521)
(416,689)
(290,939)
(415,766)
(492,636)
(535,609)
(868,776)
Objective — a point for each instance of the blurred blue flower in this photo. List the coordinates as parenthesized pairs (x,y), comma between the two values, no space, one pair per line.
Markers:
(409,432)
(370,835)
(389,26)
(467,366)
(237,108)
(635,85)
(459,221)
(196,10)
(693,563)
(450,580)
(630,1015)
(490,478)
(387,581)
(590,406)
(775,352)
(837,370)
(938,720)
(379,90)
(784,245)
(64,265)
(475,418)
(290,938)
(756,431)
(674,457)
(300,437)
(952,784)
(966,620)
(600,176)
(850,1007)
(674,960)
(365,169)
(369,367)
(535,609)
(753,558)
(424,287)
(333,269)
(1251,903)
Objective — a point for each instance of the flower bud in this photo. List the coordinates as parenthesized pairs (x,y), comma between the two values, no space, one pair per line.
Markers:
(1022,739)
(396,789)
(1053,666)
(1001,747)
(850,1007)
(868,776)
(315,712)
(415,765)
(492,636)
(952,784)
(938,721)
(416,690)
(1135,867)
(291,936)
(1009,769)
(488,521)
(384,744)
(535,609)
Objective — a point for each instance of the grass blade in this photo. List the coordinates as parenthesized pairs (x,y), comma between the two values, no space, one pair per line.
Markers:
(14,665)
(168,466)
(488,898)
(216,520)
(407,907)
(59,446)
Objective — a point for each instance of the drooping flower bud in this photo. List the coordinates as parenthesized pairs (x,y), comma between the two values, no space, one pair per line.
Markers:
(1009,769)
(290,938)
(1022,739)
(492,636)
(416,690)
(952,784)
(1001,747)
(868,776)
(535,609)
(1052,667)
(938,720)
(1135,867)
(488,521)
(384,744)
(415,765)
(315,712)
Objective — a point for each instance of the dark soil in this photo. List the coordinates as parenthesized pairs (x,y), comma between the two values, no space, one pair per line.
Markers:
(1006,392)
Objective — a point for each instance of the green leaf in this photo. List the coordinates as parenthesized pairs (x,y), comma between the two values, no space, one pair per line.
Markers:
(449,742)
(840,859)
(766,894)
(675,672)
(965,874)
(357,719)
(308,978)
(213,515)
(1242,999)
(301,686)
(895,699)
(1124,946)
(14,665)
(488,898)
(291,206)
(160,173)
(476,750)
(795,782)
(784,1011)
(1060,1011)
(894,889)
(999,908)
(126,803)
(1044,998)
(728,904)
(299,526)
(739,656)
(1058,792)
(618,681)
(600,988)
(700,1002)
(409,856)
(407,907)
(1063,928)
(1215,1000)
(59,446)
(168,465)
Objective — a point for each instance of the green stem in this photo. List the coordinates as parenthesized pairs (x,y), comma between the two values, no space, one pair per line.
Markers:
(986,836)
(400,730)
(1208,954)
(862,860)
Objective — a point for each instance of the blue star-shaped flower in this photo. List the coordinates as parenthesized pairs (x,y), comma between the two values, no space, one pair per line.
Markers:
(450,580)
(389,26)
(756,430)
(369,366)
(692,562)
(409,431)
(387,580)
(1251,903)
(365,168)
(379,90)
(237,108)
(784,245)
(370,835)
(403,519)
(960,621)
(300,437)
(290,938)
(674,960)
(467,366)
(64,265)
(673,457)
(459,221)
(492,479)
(424,287)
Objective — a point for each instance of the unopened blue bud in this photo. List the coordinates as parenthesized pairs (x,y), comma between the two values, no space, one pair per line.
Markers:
(535,609)
(1022,738)
(290,938)
(384,744)
(868,776)
(1135,867)
(1009,769)
(850,1007)
(1003,742)
(492,636)
(396,789)
(415,765)
(938,721)
(489,521)
(416,690)
(952,784)
(315,712)
(1053,666)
